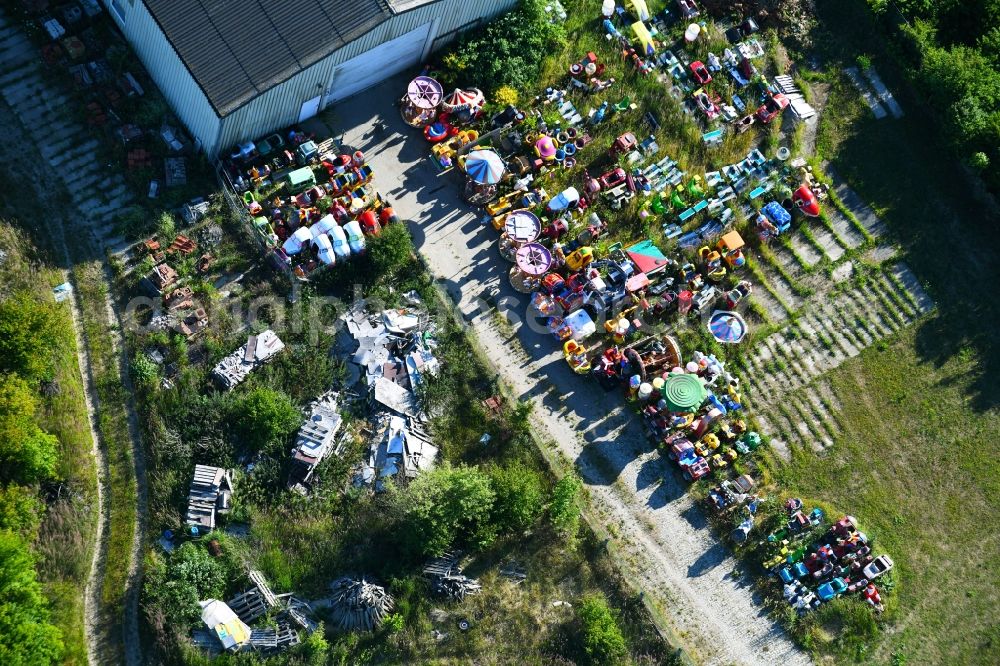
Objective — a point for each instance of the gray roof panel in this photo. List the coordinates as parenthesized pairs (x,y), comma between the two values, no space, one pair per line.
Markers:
(237,49)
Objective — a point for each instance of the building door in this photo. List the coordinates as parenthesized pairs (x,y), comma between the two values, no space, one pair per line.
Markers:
(310,108)
(378,64)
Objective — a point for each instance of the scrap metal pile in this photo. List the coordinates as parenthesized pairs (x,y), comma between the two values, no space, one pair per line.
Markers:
(392,352)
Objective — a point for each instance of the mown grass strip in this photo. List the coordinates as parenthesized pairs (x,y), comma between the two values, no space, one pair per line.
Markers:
(772,259)
(763,282)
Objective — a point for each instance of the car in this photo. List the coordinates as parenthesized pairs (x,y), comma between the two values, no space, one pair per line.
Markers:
(700,73)
(832,590)
(613,178)
(878,566)
(568,199)
(772,108)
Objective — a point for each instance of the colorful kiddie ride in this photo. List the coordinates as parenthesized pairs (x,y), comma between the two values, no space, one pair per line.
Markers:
(706,104)
(772,221)
(727,327)
(731,246)
(805,200)
(420,104)
(772,107)
(531,262)
(712,264)
(700,73)
(738,294)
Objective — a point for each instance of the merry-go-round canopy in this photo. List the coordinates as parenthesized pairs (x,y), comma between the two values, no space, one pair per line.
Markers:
(534,259)
(727,326)
(463,99)
(522,226)
(484,167)
(424,92)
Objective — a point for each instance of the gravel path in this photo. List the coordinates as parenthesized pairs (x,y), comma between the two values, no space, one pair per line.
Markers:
(669,550)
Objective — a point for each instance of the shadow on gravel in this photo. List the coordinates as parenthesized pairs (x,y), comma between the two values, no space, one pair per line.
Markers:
(709,560)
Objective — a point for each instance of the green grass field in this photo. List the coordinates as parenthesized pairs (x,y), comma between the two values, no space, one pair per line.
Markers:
(915,458)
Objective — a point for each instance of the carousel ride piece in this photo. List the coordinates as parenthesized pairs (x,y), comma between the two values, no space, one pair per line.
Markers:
(531,263)
(420,103)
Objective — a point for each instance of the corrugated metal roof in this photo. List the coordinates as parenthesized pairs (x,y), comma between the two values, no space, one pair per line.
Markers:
(237,49)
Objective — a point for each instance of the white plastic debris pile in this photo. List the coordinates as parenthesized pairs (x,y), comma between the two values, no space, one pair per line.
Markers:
(403,448)
(316,439)
(395,351)
(257,351)
(224,625)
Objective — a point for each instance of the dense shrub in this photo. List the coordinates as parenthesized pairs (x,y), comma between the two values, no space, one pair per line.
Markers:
(602,638)
(27,453)
(19,510)
(519,494)
(264,418)
(26,637)
(174,588)
(564,511)
(30,330)
(505,52)
(446,507)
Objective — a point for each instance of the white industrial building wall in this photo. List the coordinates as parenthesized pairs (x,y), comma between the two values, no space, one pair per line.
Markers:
(280,106)
(164,66)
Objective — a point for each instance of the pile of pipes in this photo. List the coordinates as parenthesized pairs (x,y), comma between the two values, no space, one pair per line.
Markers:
(359,605)
(447,580)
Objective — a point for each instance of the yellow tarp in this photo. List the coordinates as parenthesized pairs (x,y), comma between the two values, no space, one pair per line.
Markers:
(645,39)
(641,10)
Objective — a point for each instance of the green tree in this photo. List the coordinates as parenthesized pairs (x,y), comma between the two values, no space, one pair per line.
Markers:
(264,417)
(27,453)
(505,52)
(166,227)
(390,250)
(564,510)
(602,637)
(519,496)
(144,370)
(193,565)
(20,510)
(26,637)
(30,331)
(445,507)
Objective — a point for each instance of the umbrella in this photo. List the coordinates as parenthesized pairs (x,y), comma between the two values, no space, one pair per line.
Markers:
(522,226)
(534,259)
(647,257)
(684,393)
(727,326)
(484,167)
(424,93)
(463,99)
